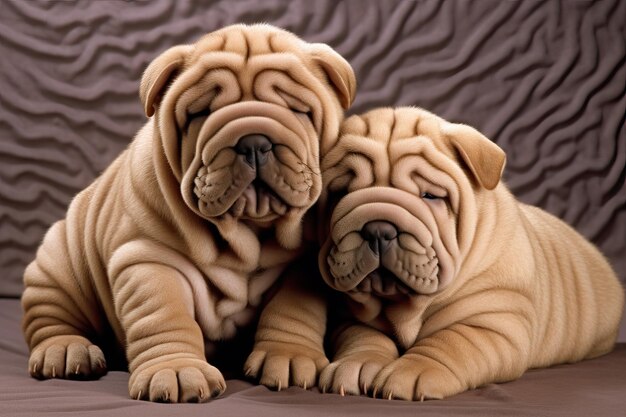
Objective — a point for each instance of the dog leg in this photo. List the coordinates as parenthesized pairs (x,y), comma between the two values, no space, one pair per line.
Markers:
(289,343)
(460,357)
(60,313)
(55,330)
(165,347)
(361,352)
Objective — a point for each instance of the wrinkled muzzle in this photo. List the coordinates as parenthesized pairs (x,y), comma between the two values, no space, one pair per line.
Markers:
(386,242)
(254,161)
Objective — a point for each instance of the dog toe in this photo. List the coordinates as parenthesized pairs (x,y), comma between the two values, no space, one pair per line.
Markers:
(182,380)
(71,357)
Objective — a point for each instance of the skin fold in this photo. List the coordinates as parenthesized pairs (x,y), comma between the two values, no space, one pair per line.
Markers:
(175,245)
(445,282)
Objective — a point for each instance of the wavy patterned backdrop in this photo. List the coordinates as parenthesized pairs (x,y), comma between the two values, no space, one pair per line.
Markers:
(545,80)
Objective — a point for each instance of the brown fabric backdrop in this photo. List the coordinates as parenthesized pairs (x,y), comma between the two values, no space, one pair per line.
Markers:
(545,80)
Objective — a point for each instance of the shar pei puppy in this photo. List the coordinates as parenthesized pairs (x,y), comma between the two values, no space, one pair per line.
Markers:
(175,244)
(448,282)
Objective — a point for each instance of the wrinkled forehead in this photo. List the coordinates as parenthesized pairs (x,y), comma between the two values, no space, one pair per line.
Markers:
(390,126)
(245,59)
(384,136)
(249,41)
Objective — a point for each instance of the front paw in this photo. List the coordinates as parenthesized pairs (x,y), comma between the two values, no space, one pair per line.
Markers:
(279,365)
(184,380)
(353,374)
(70,357)
(416,379)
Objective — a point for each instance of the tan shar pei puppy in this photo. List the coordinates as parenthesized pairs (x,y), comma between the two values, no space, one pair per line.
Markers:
(451,282)
(174,245)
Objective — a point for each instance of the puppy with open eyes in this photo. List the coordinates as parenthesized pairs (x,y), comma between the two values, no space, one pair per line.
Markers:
(174,246)
(448,281)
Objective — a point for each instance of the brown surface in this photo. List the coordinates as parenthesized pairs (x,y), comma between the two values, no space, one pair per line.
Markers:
(596,387)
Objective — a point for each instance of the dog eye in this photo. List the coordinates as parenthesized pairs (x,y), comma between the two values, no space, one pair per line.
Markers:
(195,116)
(429,196)
(308,114)
(203,113)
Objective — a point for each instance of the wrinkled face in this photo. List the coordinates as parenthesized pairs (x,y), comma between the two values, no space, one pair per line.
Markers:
(401,207)
(243,119)
(253,161)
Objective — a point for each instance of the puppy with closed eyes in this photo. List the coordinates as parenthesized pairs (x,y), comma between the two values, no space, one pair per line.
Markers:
(448,281)
(174,246)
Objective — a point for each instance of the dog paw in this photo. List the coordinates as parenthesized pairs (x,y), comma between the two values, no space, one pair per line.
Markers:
(184,380)
(415,379)
(70,357)
(280,365)
(353,374)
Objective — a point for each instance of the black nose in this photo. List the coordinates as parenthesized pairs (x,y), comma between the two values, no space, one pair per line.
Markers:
(255,148)
(379,235)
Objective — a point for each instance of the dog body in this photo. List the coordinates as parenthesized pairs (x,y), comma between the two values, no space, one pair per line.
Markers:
(451,283)
(175,244)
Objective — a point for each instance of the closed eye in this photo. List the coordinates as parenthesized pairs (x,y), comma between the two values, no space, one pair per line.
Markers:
(308,114)
(429,196)
(202,113)
(194,116)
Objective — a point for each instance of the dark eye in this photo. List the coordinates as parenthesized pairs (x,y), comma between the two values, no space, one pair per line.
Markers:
(195,116)
(308,114)
(429,196)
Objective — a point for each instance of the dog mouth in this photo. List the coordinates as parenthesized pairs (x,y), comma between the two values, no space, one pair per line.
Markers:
(382,268)
(249,164)
(248,197)
(258,201)
(384,284)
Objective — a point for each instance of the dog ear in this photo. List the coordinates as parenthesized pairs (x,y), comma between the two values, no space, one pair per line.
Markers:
(484,158)
(339,72)
(158,74)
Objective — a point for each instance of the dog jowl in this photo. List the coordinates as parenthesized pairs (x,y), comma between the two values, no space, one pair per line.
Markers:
(175,244)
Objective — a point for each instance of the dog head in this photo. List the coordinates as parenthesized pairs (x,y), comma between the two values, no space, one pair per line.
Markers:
(403,190)
(242,116)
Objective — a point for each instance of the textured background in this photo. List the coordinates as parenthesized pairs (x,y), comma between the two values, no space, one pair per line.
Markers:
(545,80)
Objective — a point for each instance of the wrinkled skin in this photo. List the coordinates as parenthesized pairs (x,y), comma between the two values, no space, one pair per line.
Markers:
(175,245)
(448,282)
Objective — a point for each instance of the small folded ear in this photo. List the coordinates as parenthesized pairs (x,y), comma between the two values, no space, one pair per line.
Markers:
(339,72)
(484,158)
(158,74)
